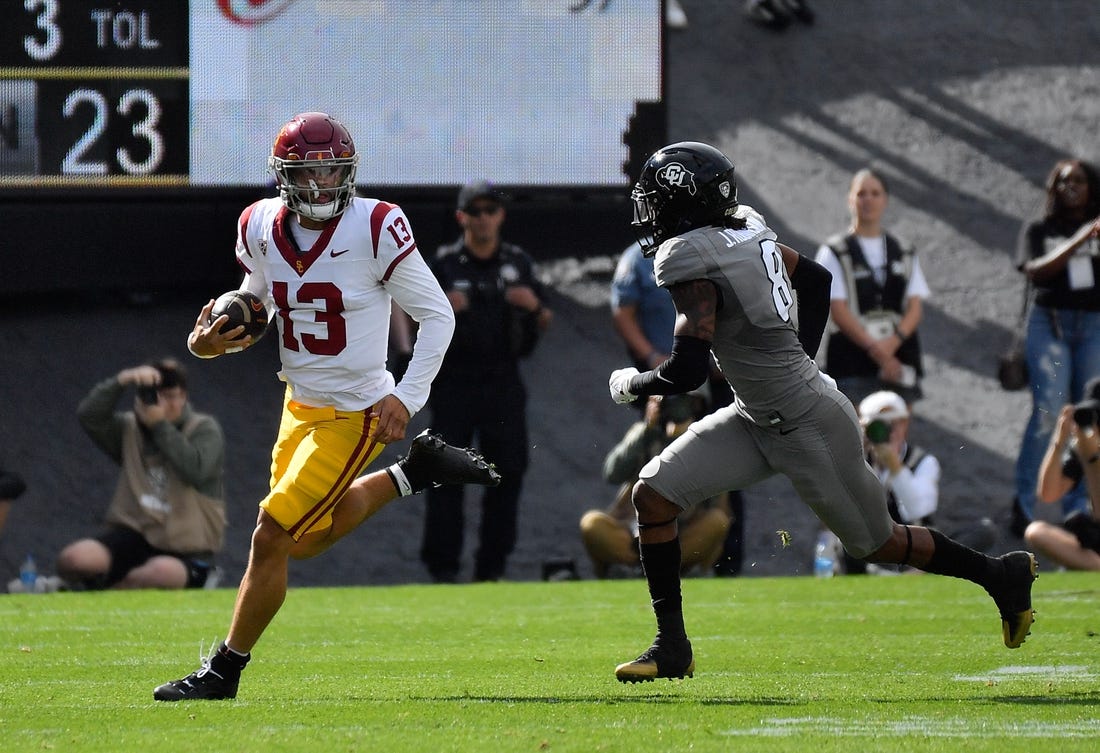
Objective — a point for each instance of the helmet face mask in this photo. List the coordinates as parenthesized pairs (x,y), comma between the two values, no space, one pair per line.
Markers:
(645,216)
(682,186)
(314,162)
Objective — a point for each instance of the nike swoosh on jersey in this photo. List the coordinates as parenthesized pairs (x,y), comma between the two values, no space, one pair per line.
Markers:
(334,253)
(785,432)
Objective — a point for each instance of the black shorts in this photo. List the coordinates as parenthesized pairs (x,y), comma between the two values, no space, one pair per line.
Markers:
(129,549)
(1085,528)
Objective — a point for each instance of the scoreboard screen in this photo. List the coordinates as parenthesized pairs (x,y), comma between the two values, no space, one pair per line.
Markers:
(104,93)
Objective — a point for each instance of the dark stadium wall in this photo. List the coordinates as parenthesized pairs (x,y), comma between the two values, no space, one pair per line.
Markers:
(150,242)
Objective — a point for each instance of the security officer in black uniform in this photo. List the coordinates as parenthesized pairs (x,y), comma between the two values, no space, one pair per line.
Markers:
(499,314)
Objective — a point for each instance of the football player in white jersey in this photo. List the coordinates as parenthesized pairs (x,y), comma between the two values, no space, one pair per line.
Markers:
(327,264)
(733,284)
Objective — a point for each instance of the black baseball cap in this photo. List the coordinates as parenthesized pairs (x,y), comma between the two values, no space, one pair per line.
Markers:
(478,189)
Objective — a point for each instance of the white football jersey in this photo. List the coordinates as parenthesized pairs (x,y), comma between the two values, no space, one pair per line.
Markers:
(331,301)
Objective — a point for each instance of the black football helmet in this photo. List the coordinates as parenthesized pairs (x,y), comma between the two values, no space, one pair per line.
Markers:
(682,186)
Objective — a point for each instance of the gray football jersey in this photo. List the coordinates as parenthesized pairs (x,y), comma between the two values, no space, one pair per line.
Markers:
(756,332)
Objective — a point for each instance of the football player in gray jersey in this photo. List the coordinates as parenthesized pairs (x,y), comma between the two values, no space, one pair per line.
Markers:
(734,286)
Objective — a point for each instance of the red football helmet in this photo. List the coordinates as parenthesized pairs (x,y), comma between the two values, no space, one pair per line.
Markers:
(314,162)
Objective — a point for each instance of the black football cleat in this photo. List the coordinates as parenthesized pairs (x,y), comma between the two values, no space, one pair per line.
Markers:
(1013,597)
(659,660)
(215,680)
(433,462)
(204,684)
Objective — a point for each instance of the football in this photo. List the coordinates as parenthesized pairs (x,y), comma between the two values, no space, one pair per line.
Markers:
(243,309)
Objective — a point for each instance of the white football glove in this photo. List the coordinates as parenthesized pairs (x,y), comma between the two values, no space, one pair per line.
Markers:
(620,385)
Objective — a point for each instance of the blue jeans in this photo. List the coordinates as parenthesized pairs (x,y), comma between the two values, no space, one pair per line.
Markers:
(1058,367)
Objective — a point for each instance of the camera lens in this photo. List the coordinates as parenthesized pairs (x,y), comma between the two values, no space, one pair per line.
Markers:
(878,432)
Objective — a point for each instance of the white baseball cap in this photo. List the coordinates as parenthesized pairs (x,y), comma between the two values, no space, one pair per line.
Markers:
(884,406)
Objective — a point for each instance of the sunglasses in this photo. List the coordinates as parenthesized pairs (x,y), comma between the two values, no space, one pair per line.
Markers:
(480,210)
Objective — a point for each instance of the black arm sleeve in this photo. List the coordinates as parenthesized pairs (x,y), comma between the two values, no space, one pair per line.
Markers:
(812,284)
(686,368)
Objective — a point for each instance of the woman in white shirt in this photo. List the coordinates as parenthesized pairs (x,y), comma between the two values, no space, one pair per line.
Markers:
(877,293)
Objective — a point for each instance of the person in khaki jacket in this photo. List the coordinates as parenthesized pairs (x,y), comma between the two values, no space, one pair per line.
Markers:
(166,520)
(611,536)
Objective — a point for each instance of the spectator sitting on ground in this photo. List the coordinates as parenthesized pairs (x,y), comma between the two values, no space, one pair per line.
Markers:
(1072,457)
(166,520)
(910,474)
(611,536)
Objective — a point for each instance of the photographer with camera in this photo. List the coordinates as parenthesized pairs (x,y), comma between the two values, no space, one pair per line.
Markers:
(910,474)
(611,536)
(1059,253)
(1072,457)
(166,520)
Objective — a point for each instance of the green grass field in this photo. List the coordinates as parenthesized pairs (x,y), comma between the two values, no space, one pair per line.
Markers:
(783,664)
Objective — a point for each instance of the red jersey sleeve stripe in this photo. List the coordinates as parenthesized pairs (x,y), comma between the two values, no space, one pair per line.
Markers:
(395,262)
(377,217)
(243,227)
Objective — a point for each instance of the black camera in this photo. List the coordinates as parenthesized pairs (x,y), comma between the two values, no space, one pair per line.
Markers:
(147,395)
(878,431)
(1086,414)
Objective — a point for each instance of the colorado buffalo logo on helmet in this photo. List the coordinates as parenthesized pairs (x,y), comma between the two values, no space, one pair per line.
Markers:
(675,175)
(671,198)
